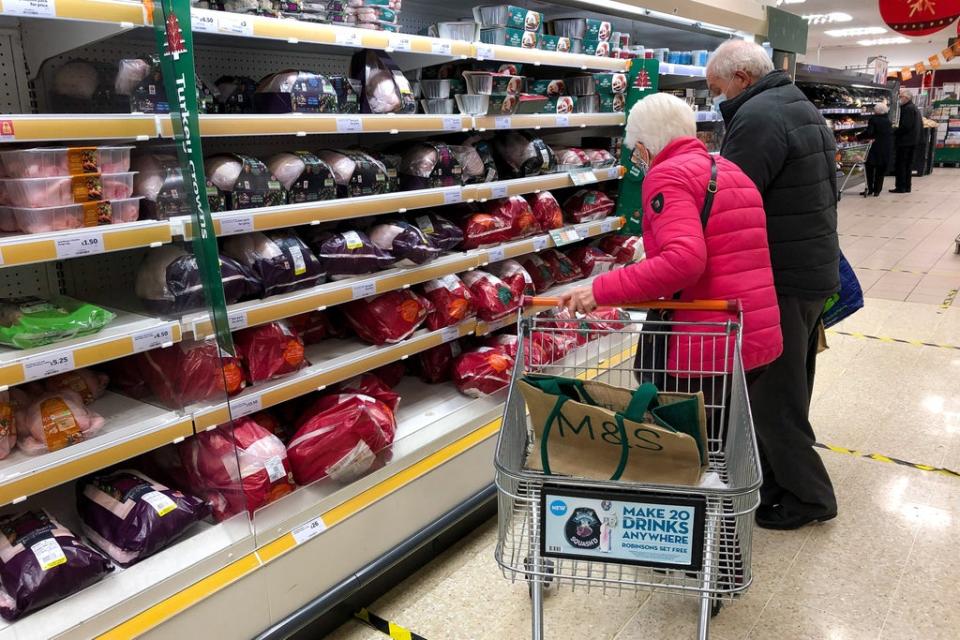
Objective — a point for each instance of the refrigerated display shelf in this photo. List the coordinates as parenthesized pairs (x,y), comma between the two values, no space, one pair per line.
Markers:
(115,11)
(688,70)
(538,57)
(27,127)
(71,243)
(538,121)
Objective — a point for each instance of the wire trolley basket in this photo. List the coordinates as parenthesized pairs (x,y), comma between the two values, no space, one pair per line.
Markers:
(692,540)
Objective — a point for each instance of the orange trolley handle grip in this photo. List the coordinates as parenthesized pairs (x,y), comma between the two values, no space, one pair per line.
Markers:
(729,306)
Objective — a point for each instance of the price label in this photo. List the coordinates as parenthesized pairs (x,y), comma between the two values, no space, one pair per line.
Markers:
(399,42)
(581,178)
(449,334)
(563,120)
(237,320)
(485,52)
(349,38)
(502,122)
(309,530)
(30,7)
(364,290)
(240,407)
(86,244)
(275,469)
(498,191)
(152,338)
(203,21)
(234,24)
(452,195)
(540,243)
(496,254)
(561,237)
(350,125)
(46,365)
(583,231)
(49,554)
(613,173)
(442,48)
(606,226)
(234,226)
(452,123)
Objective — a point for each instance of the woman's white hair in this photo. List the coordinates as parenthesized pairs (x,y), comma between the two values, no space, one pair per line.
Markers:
(881,108)
(657,120)
(739,55)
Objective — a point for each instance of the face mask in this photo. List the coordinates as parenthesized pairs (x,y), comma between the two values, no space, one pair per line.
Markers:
(718,100)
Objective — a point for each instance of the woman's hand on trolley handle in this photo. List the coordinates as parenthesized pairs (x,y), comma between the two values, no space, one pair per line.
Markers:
(579,300)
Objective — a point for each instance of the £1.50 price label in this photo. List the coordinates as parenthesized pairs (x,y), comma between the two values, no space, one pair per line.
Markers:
(86,244)
(48,364)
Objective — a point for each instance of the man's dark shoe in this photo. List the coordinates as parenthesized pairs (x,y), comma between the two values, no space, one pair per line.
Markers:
(898,191)
(778,518)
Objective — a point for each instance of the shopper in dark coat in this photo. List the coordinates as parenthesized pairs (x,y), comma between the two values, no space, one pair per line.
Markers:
(880,131)
(908,136)
(782,142)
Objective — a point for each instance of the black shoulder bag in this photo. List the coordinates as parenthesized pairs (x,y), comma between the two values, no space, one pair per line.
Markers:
(650,362)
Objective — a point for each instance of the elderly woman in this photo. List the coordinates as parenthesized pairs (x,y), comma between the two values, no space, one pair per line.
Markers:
(695,248)
(880,130)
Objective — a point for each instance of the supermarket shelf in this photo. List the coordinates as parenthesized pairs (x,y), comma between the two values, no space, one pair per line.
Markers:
(535,184)
(127,334)
(849,127)
(131,428)
(302,124)
(485,328)
(57,245)
(256,312)
(62,127)
(549,120)
(844,111)
(689,70)
(709,116)
(117,11)
(538,57)
(334,361)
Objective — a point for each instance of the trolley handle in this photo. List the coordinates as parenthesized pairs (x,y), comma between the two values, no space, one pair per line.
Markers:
(729,306)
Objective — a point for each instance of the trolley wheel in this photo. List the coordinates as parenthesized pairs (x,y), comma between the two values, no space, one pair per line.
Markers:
(549,584)
(956,248)
(715,607)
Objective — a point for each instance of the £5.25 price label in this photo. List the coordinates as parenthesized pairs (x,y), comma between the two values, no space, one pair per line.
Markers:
(86,244)
(152,338)
(308,530)
(48,364)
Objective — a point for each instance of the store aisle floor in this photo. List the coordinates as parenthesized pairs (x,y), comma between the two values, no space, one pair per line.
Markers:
(888,566)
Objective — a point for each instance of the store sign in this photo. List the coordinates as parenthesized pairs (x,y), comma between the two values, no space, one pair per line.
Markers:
(646,529)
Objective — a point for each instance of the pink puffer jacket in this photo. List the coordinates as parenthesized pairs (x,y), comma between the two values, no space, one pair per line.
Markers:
(731,261)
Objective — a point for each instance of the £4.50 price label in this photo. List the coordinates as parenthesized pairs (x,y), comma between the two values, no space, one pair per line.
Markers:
(86,244)
(152,338)
(48,364)
(308,530)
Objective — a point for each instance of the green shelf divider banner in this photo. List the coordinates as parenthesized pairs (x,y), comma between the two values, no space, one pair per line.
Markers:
(643,79)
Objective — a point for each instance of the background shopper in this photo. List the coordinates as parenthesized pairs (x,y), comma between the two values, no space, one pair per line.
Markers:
(908,136)
(783,144)
(880,131)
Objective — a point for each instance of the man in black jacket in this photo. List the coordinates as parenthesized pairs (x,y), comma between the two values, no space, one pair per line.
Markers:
(782,142)
(908,135)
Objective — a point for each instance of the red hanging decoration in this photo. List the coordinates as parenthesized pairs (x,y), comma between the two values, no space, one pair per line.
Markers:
(919,17)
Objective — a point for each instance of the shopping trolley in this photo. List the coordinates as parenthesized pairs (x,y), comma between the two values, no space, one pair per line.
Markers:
(713,562)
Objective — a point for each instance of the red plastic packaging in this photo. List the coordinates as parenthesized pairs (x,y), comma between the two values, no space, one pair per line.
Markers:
(339,436)
(482,371)
(533,353)
(484,229)
(210,460)
(516,277)
(190,372)
(517,210)
(624,249)
(546,210)
(436,364)
(591,260)
(273,424)
(491,295)
(371,385)
(269,351)
(587,205)
(387,318)
(540,271)
(563,268)
(613,319)
(391,374)
(451,302)
(315,326)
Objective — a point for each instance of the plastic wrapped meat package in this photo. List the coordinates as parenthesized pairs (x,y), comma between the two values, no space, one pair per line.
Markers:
(484,230)
(451,302)
(436,364)
(518,212)
(65,190)
(540,271)
(345,254)
(444,234)
(562,267)
(473,169)
(34,322)
(356,173)
(407,243)
(591,260)
(484,150)
(624,249)
(520,156)
(269,351)
(546,210)
(600,158)
(482,371)
(385,88)
(429,165)
(491,295)
(387,318)
(293,91)
(168,281)
(159,181)
(571,157)
(370,384)
(534,354)
(187,373)
(42,562)
(515,276)
(391,373)
(9,417)
(588,205)
(278,259)
(88,384)
(305,177)
(210,460)
(244,181)
(55,420)
(605,319)
(339,436)
(47,162)
(348,93)
(315,326)
(130,517)
(236,94)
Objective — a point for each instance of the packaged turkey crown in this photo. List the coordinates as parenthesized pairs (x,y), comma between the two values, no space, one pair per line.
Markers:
(42,562)
(278,259)
(169,282)
(54,420)
(485,229)
(245,182)
(315,326)
(293,91)
(533,352)
(188,372)
(546,210)
(587,205)
(491,295)
(130,517)
(591,260)
(562,267)
(519,155)
(515,276)
(484,150)
(269,351)
(236,467)
(624,249)
(540,271)
(517,210)
(344,254)
(436,364)
(356,173)
(385,88)
(482,371)
(236,94)
(444,234)
(387,318)
(473,169)
(159,182)
(305,177)
(370,384)
(451,302)
(407,243)
(348,93)
(429,165)
(391,163)
(339,436)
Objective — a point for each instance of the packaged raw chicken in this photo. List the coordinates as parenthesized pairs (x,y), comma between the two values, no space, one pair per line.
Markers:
(563,268)
(533,352)
(624,249)
(33,322)
(269,351)
(64,190)
(89,384)
(345,254)
(292,91)
(55,420)
(429,165)
(169,282)
(42,562)
(385,88)
(450,300)
(571,158)
(587,205)
(278,259)
(546,210)
(600,158)
(356,173)
(69,216)
(339,436)
(370,384)
(591,260)
(244,181)
(189,372)
(386,318)
(518,212)
(444,234)
(407,243)
(540,271)
(436,364)
(519,155)
(482,371)
(46,162)
(515,276)
(305,176)
(210,460)
(484,229)
(315,326)
(491,295)
(131,517)
(9,417)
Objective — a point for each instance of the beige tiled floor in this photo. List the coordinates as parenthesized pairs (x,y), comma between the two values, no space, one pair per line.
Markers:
(888,567)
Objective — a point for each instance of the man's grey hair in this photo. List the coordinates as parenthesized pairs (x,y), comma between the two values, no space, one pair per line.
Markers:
(881,108)
(739,55)
(657,120)
(906,92)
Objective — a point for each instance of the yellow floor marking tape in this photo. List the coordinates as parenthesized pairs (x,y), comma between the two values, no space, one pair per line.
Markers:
(949,299)
(386,627)
(882,458)
(914,342)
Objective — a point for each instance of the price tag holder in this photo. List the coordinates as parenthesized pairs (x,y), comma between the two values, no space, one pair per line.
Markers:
(308,530)
(48,364)
(152,338)
(349,38)
(350,125)
(399,42)
(86,244)
(452,195)
(499,191)
(540,243)
(442,48)
(237,320)
(30,7)
(503,122)
(496,254)
(234,226)
(563,120)
(234,24)
(581,178)
(583,231)
(364,290)
(203,21)
(485,52)
(452,123)
(449,334)
(613,173)
(564,236)
(606,226)
(240,407)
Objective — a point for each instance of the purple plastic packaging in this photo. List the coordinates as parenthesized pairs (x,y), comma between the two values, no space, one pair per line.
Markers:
(408,244)
(440,230)
(348,253)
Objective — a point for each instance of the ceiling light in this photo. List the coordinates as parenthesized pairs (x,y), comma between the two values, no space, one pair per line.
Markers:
(826,18)
(881,41)
(855,31)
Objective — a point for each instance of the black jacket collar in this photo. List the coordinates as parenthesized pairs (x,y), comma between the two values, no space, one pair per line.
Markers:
(729,108)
